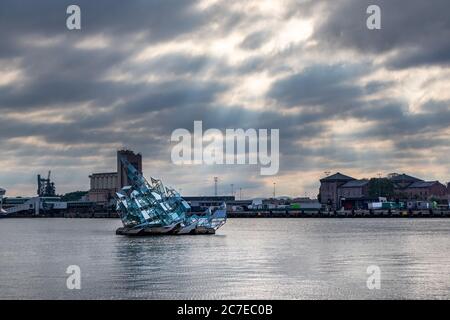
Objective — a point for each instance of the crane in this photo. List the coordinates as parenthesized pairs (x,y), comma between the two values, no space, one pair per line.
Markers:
(46,188)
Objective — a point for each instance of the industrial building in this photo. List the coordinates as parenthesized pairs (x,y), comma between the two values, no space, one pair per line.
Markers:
(202,202)
(100,198)
(103,186)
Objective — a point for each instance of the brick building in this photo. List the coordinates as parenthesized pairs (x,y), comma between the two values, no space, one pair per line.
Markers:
(402,181)
(411,188)
(354,189)
(425,190)
(340,190)
(329,188)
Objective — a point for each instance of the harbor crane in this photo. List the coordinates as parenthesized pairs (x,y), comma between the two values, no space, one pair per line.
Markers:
(46,188)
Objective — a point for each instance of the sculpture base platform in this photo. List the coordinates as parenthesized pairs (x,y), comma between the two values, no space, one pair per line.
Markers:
(157,231)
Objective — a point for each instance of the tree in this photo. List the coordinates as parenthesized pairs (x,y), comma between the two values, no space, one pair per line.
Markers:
(73,196)
(381,187)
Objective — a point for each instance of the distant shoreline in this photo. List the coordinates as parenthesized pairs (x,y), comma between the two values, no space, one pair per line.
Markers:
(371,214)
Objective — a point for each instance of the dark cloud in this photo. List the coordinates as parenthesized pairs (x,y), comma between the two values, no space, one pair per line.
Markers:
(170,95)
(54,92)
(60,74)
(173,98)
(255,40)
(438,55)
(415,31)
(153,18)
(422,142)
(377,86)
(407,124)
(319,85)
(67,108)
(178,64)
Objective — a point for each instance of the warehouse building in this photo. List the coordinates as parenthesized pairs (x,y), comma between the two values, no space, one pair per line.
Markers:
(104,185)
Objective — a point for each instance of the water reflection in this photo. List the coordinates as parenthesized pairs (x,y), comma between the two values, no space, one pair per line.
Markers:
(248,259)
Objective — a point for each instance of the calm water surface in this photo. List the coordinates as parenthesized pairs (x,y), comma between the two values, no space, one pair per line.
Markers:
(246,259)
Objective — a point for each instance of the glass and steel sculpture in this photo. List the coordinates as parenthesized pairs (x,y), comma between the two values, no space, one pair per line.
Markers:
(2,193)
(152,208)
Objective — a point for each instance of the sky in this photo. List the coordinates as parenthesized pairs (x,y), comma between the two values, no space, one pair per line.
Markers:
(344,98)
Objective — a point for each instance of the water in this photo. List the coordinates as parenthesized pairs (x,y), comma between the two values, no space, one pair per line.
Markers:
(246,259)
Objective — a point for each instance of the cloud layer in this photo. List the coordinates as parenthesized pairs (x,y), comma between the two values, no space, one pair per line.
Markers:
(344,97)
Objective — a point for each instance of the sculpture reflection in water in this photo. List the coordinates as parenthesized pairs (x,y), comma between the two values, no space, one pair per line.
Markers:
(152,208)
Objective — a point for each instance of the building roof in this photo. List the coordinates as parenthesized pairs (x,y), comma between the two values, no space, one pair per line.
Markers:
(337,177)
(103,173)
(404,178)
(355,183)
(423,184)
(209,198)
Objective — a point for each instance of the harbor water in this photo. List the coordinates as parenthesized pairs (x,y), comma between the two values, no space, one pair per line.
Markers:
(246,259)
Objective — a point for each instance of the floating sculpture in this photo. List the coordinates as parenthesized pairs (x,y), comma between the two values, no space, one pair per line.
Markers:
(152,208)
(2,193)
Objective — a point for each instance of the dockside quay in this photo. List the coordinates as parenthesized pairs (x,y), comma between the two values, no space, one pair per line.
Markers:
(339,195)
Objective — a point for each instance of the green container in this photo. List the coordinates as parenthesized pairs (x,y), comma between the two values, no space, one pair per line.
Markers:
(295,206)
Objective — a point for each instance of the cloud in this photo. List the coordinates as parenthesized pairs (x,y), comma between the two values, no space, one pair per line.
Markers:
(138,70)
(255,40)
(153,18)
(319,85)
(414,32)
(397,122)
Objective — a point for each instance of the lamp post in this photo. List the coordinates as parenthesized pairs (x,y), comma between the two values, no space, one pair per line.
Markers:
(379,185)
(274,189)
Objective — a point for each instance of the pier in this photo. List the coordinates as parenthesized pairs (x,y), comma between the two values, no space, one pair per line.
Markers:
(341,214)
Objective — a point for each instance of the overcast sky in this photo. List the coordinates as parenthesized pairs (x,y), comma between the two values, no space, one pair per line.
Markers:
(345,98)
